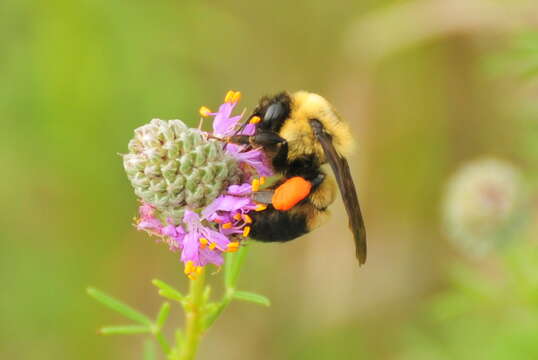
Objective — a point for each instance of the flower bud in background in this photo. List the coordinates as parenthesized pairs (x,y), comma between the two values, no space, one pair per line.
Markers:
(483,204)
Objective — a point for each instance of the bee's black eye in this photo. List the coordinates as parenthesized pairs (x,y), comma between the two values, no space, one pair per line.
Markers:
(274,116)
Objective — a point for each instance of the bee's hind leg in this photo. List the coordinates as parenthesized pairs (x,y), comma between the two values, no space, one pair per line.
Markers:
(271,225)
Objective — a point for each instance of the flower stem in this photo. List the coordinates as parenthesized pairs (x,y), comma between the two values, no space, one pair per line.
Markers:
(193,313)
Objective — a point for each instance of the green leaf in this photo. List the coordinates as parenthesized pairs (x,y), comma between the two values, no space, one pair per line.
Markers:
(163,315)
(149,350)
(251,297)
(213,312)
(172,293)
(232,266)
(125,330)
(120,307)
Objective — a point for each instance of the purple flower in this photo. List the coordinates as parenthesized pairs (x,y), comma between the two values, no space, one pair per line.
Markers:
(174,235)
(255,158)
(201,245)
(231,210)
(249,129)
(147,220)
(223,123)
(205,234)
(226,125)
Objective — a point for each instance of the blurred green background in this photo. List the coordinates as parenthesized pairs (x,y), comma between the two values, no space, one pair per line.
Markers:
(426,87)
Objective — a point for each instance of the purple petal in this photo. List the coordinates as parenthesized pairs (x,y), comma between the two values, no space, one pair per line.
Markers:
(150,224)
(190,248)
(208,256)
(146,210)
(224,203)
(243,189)
(223,124)
(249,129)
(255,158)
(232,203)
(216,237)
(191,219)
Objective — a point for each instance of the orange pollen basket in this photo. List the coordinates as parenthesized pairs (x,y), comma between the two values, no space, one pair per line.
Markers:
(290,193)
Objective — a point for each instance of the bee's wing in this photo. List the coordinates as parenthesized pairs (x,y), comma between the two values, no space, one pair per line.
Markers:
(347,189)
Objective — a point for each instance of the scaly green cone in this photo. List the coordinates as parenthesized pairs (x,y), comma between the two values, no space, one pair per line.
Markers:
(171,166)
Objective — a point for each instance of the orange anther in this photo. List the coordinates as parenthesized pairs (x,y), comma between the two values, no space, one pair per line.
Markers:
(204,111)
(236,97)
(229,96)
(255,185)
(255,120)
(260,207)
(233,246)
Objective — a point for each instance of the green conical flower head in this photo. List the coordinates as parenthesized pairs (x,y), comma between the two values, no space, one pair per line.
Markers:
(171,166)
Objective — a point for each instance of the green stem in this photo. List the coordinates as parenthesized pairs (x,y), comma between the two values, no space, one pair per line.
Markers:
(193,313)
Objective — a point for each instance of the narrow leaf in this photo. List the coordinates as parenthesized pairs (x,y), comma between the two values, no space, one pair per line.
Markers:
(251,297)
(171,295)
(118,306)
(163,315)
(168,288)
(125,330)
(213,313)
(149,350)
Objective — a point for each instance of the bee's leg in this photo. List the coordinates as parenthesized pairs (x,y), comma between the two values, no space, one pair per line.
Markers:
(280,157)
(275,146)
(267,139)
(272,225)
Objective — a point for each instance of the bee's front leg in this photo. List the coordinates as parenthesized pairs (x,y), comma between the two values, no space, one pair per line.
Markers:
(265,139)
(275,146)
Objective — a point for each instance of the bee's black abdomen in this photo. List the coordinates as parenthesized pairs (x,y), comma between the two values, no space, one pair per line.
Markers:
(273,225)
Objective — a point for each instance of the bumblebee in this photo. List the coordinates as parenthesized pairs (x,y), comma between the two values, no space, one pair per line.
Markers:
(299,133)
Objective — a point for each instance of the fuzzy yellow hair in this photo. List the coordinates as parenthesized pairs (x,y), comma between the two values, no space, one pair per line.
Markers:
(306,106)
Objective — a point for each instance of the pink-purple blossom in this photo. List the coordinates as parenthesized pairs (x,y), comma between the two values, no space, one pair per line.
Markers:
(205,234)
